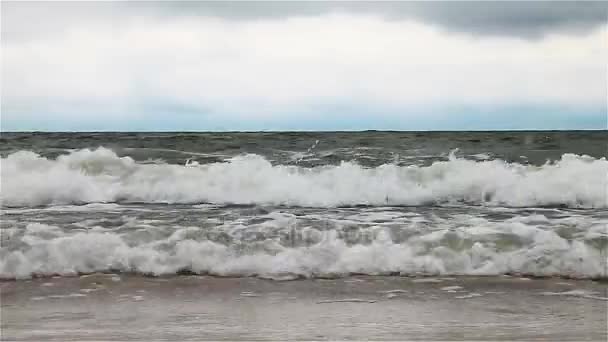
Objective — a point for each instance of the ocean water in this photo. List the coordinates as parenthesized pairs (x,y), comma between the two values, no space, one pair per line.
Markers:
(305,205)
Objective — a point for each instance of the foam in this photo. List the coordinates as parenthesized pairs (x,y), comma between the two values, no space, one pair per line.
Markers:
(100,176)
(470,295)
(577,293)
(536,252)
(451,288)
(346,300)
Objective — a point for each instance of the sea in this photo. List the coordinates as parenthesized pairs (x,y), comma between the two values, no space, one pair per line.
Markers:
(304,236)
(291,205)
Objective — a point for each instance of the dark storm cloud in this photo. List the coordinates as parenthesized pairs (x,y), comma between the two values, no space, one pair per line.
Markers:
(500,18)
(516,18)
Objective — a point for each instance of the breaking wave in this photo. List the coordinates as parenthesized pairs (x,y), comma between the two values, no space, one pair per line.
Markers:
(511,247)
(93,176)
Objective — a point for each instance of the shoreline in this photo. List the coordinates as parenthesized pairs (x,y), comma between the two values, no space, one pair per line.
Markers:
(297,277)
(190,307)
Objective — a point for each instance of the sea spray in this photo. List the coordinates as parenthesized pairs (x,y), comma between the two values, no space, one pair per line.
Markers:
(90,176)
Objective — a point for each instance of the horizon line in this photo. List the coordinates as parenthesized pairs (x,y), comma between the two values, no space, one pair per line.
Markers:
(314,131)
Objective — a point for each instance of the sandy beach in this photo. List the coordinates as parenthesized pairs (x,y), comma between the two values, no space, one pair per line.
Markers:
(121,307)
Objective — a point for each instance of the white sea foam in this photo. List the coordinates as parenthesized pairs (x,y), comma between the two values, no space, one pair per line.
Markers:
(470,295)
(577,293)
(509,248)
(90,176)
(451,288)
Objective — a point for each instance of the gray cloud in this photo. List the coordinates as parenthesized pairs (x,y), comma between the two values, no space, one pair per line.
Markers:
(517,18)
(127,62)
(498,18)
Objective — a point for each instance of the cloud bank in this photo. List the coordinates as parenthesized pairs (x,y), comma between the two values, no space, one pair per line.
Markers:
(214,66)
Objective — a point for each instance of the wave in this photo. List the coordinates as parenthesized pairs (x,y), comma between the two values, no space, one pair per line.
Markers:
(100,176)
(511,247)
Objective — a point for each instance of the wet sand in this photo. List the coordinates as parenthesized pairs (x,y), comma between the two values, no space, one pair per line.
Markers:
(126,307)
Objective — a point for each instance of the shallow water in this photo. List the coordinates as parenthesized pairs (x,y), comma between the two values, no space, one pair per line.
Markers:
(123,307)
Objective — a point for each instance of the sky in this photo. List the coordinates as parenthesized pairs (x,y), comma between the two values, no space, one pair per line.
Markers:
(302,65)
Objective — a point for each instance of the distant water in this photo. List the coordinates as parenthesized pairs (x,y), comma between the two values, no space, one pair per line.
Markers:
(290,205)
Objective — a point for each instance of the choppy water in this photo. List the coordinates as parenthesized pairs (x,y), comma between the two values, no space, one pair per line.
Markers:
(287,205)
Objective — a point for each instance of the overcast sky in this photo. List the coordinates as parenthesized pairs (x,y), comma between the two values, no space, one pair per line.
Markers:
(304,65)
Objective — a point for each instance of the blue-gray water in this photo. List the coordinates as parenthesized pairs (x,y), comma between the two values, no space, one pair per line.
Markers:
(291,205)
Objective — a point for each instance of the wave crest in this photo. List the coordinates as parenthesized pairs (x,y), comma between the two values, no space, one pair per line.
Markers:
(536,251)
(90,176)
